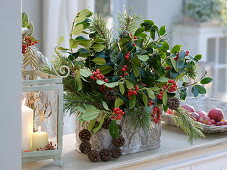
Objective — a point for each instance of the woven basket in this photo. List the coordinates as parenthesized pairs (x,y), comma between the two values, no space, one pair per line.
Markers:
(204,104)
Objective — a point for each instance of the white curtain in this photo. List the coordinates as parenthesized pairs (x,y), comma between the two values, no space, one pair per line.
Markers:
(58,16)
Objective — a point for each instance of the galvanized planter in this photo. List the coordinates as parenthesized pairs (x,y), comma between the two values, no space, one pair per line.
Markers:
(56,87)
(136,139)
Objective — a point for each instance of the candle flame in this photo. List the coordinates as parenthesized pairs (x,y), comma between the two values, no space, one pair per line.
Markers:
(39,129)
(23,102)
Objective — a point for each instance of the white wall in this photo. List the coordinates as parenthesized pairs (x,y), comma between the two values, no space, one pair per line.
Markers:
(164,12)
(10,75)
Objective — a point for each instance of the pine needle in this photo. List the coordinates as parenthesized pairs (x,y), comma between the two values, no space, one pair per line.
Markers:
(188,125)
(127,23)
(98,25)
(73,100)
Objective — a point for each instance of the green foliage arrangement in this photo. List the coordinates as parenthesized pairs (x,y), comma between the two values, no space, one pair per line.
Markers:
(206,10)
(131,74)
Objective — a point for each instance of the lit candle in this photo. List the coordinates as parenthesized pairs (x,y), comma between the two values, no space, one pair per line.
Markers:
(27,126)
(39,139)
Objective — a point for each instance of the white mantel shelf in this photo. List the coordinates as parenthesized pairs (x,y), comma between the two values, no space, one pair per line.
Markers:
(175,153)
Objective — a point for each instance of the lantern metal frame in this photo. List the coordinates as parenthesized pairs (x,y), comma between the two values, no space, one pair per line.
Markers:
(45,85)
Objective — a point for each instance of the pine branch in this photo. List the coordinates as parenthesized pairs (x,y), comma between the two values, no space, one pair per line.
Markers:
(139,118)
(188,125)
(73,100)
(98,25)
(127,23)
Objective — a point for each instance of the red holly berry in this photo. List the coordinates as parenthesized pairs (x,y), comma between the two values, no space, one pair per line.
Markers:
(135,37)
(134,44)
(123,69)
(168,68)
(125,74)
(106,80)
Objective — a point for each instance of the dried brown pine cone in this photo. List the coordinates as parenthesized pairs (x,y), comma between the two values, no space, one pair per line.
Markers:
(93,155)
(118,142)
(105,155)
(110,96)
(116,153)
(85,135)
(85,147)
(106,123)
(173,103)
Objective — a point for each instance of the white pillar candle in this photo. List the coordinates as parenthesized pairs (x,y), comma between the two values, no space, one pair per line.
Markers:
(39,139)
(27,127)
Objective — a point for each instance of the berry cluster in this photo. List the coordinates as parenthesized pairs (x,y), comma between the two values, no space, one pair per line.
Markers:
(127,56)
(125,69)
(150,103)
(159,96)
(171,86)
(177,56)
(96,75)
(156,115)
(119,113)
(133,92)
(187,53)
(27,42)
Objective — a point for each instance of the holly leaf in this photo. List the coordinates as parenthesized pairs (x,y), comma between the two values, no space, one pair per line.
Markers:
(60,40)
(78,29)
(114,129)
(73,43)
(98,47)
(145,99)
(91,125)
(99,61)
(206,80)
(174,64)
(164,98)
(80,18)
(105,106)
(100,82)
(162,30)
(118,102)
(136,71)
(129,84)
(176,49)
(132,102)
(111,85)
(201,89)
(195,91)
(150,93)
(163,79)
(122,88)
(85,72)
(143,57)
(95,130)
(198,57)
(24,20)
(105,69)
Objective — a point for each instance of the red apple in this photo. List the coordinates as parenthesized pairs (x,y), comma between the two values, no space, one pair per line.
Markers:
(188,107)
(169,111)
(216,114)
(201,113)
(205,119)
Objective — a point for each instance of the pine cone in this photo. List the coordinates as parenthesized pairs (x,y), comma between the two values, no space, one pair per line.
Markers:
(116,153)
(173,103)
(93,155)
(84,135)
(110,96)
(105,155)
(106,123)
(118,142)
(85,147)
